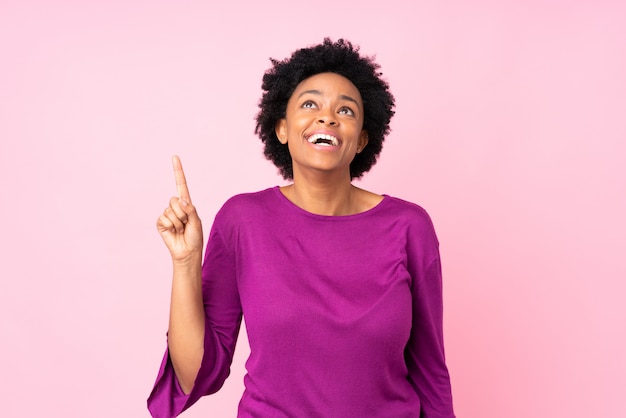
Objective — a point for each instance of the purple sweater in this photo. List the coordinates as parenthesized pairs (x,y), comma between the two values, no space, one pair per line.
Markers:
(343,313)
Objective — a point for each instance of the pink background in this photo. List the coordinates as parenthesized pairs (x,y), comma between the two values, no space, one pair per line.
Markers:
(510,130)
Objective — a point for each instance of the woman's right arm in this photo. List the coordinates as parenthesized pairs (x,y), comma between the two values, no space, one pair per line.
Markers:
(181,230)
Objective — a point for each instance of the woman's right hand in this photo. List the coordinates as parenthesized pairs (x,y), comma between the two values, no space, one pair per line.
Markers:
(181,230)
(179,225)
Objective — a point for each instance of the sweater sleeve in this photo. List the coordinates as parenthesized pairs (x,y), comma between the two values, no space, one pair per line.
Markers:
(222,322)
(425,357)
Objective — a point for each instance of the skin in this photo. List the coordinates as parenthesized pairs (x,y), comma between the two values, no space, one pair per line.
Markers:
(181,230)
(324,103)
(327,103)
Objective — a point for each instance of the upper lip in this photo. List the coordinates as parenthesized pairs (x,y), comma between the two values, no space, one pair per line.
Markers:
(333,136)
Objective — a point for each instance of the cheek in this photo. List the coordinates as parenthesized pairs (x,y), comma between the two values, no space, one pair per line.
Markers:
(295,127)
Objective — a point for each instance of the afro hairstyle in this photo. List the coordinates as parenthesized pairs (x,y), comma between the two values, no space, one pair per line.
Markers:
(340,57)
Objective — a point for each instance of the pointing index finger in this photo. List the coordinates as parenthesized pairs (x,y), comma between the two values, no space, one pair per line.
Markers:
(181,181)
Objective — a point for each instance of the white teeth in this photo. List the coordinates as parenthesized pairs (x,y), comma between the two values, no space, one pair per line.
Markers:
(323,139)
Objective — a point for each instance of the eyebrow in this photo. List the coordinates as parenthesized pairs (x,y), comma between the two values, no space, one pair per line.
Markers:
(341,96)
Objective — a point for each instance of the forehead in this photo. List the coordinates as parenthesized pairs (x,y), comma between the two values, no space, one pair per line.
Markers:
(328,84)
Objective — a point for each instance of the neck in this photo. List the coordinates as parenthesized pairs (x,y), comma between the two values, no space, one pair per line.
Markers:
(323,196)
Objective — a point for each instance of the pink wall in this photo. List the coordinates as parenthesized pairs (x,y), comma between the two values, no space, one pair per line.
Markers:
(510,131)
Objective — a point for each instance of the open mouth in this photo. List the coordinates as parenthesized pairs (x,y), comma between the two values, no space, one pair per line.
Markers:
(323,139)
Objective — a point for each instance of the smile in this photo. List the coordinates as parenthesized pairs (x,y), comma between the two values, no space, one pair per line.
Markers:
(323,139)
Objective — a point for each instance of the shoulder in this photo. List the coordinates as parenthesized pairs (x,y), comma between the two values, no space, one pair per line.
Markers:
(413,216)
(409,210)
(247,205)
(250,199)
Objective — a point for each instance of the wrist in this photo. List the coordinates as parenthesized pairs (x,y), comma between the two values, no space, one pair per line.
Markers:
(191,261)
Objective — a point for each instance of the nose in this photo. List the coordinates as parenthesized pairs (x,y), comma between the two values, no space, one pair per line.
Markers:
(327,118)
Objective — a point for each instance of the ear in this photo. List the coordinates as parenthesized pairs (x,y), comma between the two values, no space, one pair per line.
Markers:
(363,140)
(281,130)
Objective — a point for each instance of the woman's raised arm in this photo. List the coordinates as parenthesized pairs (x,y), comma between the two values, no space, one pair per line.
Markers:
(181,230)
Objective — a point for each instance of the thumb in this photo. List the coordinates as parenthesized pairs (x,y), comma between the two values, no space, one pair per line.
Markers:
(190,210)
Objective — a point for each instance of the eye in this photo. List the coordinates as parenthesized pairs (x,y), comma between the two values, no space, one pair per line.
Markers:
(308,105)
(346,111)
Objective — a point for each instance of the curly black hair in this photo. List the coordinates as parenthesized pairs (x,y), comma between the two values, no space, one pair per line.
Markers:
(341,57)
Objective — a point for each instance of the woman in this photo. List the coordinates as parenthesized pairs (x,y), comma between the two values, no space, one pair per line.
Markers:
(340,287)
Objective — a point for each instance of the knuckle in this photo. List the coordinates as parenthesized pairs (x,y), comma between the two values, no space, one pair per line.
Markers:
(164,222)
